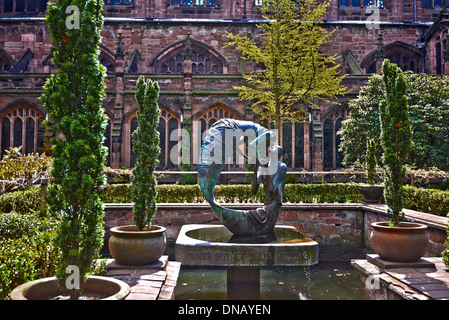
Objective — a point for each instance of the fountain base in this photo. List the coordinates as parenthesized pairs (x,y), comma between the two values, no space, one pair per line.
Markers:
(214,245)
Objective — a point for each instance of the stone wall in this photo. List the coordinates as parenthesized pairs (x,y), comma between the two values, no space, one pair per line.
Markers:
(339,228)
(154,32)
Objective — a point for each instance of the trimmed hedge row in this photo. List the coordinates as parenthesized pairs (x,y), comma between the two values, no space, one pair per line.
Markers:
(295,193)
(425,200)
(24,201)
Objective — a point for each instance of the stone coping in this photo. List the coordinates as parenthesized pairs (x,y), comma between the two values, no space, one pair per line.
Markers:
(410,215)
(212,248)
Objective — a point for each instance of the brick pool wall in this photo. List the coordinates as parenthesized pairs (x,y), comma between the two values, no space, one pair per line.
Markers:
(330,224)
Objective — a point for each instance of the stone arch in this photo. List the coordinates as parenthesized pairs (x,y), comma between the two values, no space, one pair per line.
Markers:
(171,58)
(107,58)
(21,124)
(406,56)
(204,118)
(331,123)
(169,120)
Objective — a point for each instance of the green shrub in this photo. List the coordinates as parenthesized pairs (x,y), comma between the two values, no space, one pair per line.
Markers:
(19,171)
(27,251)
(178,193)
(427,200)
(25,201)
(313,193)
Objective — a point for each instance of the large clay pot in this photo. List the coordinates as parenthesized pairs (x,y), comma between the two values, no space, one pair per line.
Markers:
(104,288)
(130,246)
(406,243)
(371,193)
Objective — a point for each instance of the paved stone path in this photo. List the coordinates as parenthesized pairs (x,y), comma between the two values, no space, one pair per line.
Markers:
(425,280)
(149,282)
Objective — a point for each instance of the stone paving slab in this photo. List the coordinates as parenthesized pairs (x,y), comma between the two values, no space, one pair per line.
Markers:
(412,282)
(384,264)
(149,282)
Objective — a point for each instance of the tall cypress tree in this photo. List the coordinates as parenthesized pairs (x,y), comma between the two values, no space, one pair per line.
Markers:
(73,97)
(395,137)
(371,161)
(146,147)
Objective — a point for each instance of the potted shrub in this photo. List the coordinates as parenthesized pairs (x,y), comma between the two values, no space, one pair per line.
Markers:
(142,243)
(371,191)
(395,240)
(73,97)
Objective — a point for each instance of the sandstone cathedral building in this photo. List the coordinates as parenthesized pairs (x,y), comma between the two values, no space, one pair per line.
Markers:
(181,44)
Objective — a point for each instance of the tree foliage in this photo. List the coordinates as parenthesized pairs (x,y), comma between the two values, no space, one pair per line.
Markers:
(371,161)
(294,70)
(428,101)
(73,97)
(146,147)
(395,137)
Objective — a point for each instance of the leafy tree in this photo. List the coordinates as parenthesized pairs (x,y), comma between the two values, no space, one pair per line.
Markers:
(146,147)
(73,97)
(294,70)
(428,101)
(395,137)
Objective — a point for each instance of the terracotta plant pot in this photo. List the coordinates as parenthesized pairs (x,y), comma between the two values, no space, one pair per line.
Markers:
(130,246)
(406,243)
(372,193)
(103,288)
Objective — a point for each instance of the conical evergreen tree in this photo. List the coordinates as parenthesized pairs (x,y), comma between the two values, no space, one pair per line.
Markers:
(146,147)
(395,137)
(73,97)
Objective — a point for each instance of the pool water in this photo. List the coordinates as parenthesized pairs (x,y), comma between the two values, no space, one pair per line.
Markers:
(333,280)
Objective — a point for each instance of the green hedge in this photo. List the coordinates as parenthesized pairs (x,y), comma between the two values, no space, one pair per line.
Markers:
(27,251)
(295,193)
(425,200)
(24,201)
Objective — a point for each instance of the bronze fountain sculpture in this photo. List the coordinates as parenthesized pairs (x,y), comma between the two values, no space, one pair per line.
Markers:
(269,170)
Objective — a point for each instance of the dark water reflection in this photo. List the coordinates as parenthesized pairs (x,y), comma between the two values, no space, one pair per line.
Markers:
(323,281)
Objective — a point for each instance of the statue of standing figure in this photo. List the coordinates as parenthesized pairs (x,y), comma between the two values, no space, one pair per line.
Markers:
(268,170)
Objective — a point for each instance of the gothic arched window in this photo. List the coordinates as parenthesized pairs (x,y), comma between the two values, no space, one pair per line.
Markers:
(207,118)
(332,157)
(327,144)
(22,126)
(202,58)
(168,122)
(407,57)
(109,65)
